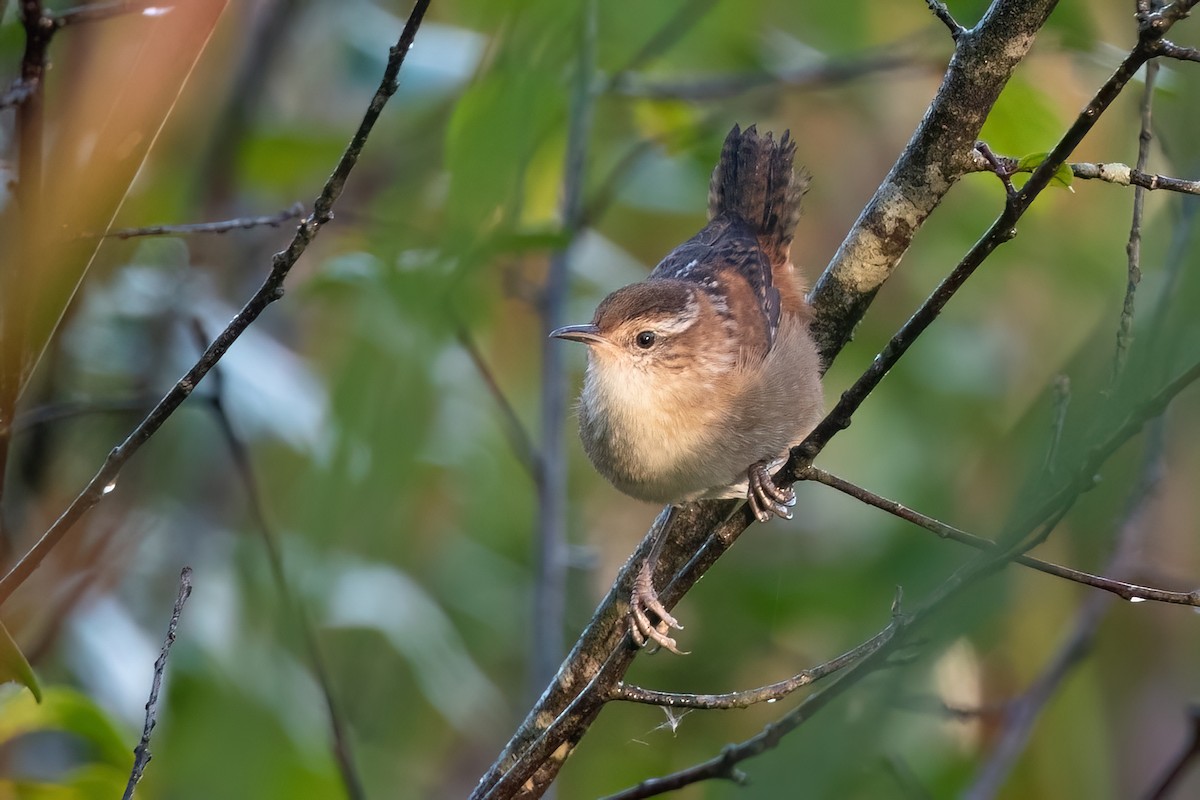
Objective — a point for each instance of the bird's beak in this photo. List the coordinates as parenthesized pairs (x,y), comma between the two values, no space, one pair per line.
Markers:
(588,334)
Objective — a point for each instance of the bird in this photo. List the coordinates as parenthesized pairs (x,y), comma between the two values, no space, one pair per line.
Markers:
(703,376)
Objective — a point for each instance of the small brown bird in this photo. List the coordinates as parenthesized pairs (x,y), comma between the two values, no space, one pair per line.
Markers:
(702,377)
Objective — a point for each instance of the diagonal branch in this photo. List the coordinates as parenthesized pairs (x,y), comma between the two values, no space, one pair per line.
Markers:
(1126,591)
(271,290)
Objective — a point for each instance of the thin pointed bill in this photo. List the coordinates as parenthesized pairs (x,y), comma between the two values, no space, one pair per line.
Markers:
(588,334)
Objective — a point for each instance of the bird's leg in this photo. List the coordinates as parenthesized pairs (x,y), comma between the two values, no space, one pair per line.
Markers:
(643,600)
(765,497)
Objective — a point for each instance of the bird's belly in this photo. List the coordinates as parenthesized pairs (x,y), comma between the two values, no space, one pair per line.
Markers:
(655,457)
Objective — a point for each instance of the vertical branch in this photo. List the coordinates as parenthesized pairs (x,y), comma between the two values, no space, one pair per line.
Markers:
(1133,249)
(39,29)
(141,754)
(550,582)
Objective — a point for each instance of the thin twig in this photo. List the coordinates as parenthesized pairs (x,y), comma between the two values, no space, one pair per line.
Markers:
(1002,169)
(946,18)
(1171,50)
(270,291)
(1123,175)
(1107,172)
(294,605)
(295,211)
(549,591)
(1126,591)
(1133,249)
(762,694)
(141,753)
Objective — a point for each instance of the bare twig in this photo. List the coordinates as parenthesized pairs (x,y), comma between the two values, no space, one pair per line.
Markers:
(141,754)
(295,211)
(748,697)
(1123,175)
(270,291)
(1178,52)
(1179,765)
(293,605)
(1126,591)
(1133,249)
(946,18)
(1107,172)
(1002,170)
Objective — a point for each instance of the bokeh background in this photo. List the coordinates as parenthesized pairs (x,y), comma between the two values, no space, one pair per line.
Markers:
(386,471)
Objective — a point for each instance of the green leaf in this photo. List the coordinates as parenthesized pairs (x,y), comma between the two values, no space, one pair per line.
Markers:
(1062,176)
(15,667)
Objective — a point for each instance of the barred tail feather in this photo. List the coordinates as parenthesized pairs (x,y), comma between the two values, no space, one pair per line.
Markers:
(755,179)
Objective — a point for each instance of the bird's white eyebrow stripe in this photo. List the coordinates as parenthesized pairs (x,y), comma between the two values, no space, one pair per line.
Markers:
(684,320)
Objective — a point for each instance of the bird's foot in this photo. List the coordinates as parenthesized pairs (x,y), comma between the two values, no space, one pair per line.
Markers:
(765,497)
(642,603)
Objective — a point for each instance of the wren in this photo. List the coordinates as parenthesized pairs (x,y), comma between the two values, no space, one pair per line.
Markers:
(701,377)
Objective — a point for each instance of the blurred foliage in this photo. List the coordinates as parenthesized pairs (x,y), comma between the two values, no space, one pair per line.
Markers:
(404,516)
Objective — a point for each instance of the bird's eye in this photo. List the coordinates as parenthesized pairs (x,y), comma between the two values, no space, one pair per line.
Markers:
(645,339)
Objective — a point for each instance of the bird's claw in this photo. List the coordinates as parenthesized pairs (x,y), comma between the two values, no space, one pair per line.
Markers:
(642,603)
(765,497)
